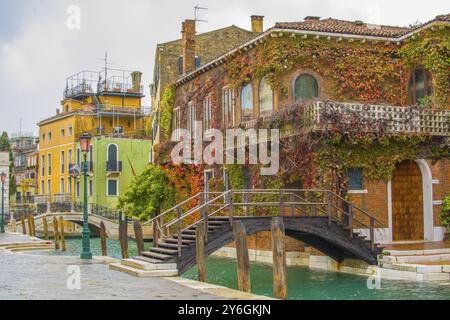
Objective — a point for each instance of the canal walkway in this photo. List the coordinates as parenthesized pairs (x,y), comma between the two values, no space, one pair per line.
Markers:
(25,276)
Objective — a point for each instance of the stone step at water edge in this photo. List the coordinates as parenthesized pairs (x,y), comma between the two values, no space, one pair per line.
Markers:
(418,268)
(415,259)
(146,266)
(164,250)
(141,273)
(26,244)
(149,260)
(157,256)
(183,241)
(417,252)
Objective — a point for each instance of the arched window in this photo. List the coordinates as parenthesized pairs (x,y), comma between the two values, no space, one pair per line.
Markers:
(419,85)
(265,98)
(306,87)
(247,102)
(112,153)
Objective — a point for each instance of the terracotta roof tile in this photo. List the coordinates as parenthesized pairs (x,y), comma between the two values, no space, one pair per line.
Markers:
(344,27)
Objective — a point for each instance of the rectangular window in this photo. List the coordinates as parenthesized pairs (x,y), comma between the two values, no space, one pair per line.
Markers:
(113,188)
(191,118)
(70,131)
(69,160)
(49,187)
(42,187)
(176,122)
(50,136)
(77,189)
(355,179)
(61,186)
(43,137)
(69,185)
(63,132)
(180,65)
(228,107)
(207,112)
(49,164)
(62,162)
(43,165)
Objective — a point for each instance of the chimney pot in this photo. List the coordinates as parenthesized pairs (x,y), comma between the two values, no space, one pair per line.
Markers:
(257,24)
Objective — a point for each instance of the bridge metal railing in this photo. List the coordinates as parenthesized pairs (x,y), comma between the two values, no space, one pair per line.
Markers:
(244,203)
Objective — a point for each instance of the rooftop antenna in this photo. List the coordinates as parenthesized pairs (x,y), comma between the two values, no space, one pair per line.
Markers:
(105,60)
(197,8)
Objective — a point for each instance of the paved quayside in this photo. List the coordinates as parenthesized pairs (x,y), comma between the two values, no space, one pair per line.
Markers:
(27,276)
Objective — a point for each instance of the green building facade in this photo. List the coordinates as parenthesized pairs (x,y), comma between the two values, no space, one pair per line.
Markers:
(112,164)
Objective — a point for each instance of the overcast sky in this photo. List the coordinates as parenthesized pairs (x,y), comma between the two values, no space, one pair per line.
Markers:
(38,51)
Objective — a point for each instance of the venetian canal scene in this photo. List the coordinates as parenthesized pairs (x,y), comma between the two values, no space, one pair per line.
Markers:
(245,152)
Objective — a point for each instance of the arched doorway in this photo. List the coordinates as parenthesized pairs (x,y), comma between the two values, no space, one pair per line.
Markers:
(408,203)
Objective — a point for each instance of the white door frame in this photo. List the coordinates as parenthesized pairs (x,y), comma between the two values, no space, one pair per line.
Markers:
(428,209)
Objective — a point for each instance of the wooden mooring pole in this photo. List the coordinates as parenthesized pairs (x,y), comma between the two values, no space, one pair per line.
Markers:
(103,239)
(139,236)
(123,236)
(243,261)
(200,254)
(55,233)
(279,259)
(30,227)
(33,226)
(24,229)
(45,226)
(63,240)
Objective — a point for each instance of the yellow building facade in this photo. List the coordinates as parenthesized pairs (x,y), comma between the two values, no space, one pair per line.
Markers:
(110,108)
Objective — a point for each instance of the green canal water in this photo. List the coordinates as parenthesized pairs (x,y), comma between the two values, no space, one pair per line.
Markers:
(303,283)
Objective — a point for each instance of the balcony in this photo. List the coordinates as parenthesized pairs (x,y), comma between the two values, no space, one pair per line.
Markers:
(113,166)
(324,115)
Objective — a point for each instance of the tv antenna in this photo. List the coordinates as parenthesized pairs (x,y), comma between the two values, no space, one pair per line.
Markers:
(197,9)
(105,60)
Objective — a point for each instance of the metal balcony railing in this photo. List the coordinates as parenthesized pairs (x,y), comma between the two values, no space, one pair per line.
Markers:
(114,166)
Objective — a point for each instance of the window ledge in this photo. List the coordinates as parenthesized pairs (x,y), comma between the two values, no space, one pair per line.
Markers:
(358,192)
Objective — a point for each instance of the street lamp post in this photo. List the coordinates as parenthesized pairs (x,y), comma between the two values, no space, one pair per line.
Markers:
(2,221)
(85,142)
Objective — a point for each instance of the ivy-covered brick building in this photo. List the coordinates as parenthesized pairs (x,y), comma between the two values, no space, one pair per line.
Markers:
(364,110)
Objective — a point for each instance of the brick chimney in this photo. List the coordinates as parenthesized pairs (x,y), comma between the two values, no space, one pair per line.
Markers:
(188,46)
(257,24)
(136,80)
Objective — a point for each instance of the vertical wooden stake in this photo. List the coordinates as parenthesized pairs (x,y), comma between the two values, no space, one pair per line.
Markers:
(45,226)
(139,236)
(63,240)
(103,239)
(243,261)
(200,246)
(13,225)
(30,227)
(279,259)
(55,233)
(33,226)
(123,230)
(22,220)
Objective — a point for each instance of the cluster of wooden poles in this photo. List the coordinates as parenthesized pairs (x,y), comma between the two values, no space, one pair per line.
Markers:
(243,261)
(123,238)
(58,230)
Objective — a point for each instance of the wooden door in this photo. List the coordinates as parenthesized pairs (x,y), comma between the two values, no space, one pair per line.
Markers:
(407,203)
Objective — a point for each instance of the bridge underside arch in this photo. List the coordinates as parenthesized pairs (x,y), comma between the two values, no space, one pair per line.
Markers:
(313,231)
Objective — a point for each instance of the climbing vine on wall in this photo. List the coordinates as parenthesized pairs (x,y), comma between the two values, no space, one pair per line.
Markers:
(166,112)
(431,50)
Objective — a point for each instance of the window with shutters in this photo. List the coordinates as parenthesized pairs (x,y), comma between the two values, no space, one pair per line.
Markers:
(265,98)
(355,179)
(247,102)
(420,85)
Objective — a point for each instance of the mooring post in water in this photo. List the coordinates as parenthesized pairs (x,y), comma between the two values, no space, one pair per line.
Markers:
(123,234)
(22,220)
(103,239)
(45,226)
(279,259)
(243,261)
(139,236)
(55,233)
(200,254)
(63,240)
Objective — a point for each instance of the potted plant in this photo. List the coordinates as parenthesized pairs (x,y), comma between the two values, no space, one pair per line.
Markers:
(445,216)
